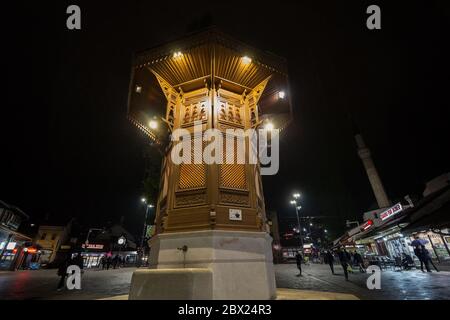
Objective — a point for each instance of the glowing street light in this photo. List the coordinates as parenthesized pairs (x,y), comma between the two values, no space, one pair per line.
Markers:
(281,94)
(296,195)
(144,200)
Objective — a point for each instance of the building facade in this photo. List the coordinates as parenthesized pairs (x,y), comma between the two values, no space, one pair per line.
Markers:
(12,242)
(50,239)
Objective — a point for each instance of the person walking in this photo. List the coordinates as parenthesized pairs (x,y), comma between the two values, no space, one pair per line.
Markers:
(427,259)
(115,261)
(62,271)
(359,262)
(103,262)
(299,258)
(108,262)
(79,261)
(330,260)
(343,258)
(419,254)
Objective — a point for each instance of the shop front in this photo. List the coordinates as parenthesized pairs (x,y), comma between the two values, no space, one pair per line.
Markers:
(289,253)
(11,241)
(398,245)
(94,253)
(436,244)
(12,244)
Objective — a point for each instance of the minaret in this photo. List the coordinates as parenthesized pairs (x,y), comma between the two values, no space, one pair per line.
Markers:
(374,178)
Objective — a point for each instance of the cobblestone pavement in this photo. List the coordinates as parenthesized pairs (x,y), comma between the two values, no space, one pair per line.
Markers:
(98,284)
(395,285)
(41,284)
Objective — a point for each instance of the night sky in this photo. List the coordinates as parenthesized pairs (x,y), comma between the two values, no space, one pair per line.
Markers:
(68,150)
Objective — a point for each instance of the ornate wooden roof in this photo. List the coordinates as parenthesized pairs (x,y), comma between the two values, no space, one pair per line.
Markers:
(202,59)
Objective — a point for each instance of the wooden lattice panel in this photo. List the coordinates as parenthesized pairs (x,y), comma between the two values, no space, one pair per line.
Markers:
(232,175)
(192,176)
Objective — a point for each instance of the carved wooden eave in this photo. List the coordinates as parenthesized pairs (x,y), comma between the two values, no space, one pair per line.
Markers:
(208,59)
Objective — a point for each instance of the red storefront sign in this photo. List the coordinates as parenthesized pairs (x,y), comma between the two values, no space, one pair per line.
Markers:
(391,211)
(93,246)
(367,225)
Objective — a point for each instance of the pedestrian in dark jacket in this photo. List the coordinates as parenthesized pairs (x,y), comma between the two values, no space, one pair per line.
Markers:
(108,262)
(103,262)
(115,261)
(299,259)
(419,254)
(343,258)
(79,261)
(427,259)
(330,260)
(359,262)
(62,271)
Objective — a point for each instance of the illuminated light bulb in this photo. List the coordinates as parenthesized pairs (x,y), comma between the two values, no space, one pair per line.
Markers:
(153,124)
(177,54)
(246,60)
(269,126)
(281,95)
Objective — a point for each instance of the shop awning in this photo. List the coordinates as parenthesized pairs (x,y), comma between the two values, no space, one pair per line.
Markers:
(438,219)
(17,235)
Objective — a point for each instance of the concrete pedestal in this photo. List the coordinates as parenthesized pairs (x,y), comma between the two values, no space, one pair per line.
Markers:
(240,264)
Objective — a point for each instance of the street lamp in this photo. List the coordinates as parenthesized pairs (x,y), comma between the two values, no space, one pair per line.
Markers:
(294,202)
(145,224)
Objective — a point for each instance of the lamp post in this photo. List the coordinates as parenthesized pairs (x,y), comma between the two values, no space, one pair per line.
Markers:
(294,202)
(145,224)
